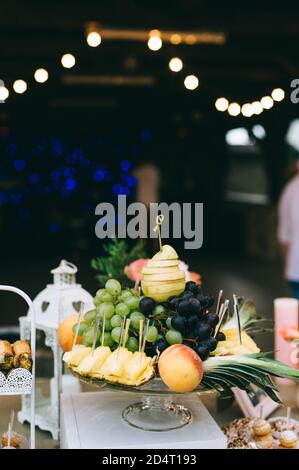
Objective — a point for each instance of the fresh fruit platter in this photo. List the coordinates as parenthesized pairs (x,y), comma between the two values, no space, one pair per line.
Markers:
(174,333)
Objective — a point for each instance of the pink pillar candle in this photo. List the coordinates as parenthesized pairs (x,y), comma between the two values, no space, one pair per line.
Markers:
(285,315)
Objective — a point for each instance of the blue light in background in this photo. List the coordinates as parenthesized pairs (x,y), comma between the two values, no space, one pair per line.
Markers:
(120,189)
(70,184)
(3,198)
(19,165)
(34,178)
(11,149)
(99,175)
(16,198)
(55,175)
(130,180)
(56,147)
(54,228)
(146,134)
(125,165)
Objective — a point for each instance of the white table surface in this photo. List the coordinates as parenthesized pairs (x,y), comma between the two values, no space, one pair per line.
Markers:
(93,421)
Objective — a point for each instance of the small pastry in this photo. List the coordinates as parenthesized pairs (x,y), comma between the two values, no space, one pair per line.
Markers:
(261,427)
(264,442)
(6,356)
(15,440)
(8,447)
(22,354)
(288,439)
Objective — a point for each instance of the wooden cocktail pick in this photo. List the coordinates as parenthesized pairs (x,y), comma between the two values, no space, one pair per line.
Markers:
(237,316)
(96,331)
(126,332)
(141,322)
(78,324)
(288,417)
(219,301)
(145,335)
(222,313)
(159,221)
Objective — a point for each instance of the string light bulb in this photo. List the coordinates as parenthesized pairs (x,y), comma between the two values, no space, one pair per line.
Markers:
(267,102)
(154,42)
(191,82)
(175,39)
(68,61)
(221,104)
(4,93)
(41,75)
(175,64)
(20,86)
(94,39)
(278,94)
(256,107)
(246,110)
(234,109)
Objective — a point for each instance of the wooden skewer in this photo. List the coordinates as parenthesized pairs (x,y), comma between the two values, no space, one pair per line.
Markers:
(145,334)
(140,334)
(219,301)
(237,315)
(223,310)
(78,324)
(9,435)
(121,336)
(95,334)
(103,330)
(128,321)
(288,417)
(261,412)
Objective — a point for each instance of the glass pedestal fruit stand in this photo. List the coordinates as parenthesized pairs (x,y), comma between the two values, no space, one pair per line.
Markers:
(20,381)
(157,409)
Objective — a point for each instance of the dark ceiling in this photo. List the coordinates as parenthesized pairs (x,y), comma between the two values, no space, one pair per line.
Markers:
(260,52)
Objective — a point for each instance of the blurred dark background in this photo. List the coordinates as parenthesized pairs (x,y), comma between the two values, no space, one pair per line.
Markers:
(77,140)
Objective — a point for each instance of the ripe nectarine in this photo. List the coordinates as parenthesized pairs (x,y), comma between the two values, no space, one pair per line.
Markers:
(180,368)
(65,333)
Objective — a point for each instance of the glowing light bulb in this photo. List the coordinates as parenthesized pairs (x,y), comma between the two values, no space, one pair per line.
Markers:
(246,110)
(267,102)
(4,93)
(256,107)
(94,39)
(175,39)
(41,75)
(221,104)
(191,82)
(234,109)
(278,94)
(190,39)
(20,86)
(68,61)
(154,42)
(175,64)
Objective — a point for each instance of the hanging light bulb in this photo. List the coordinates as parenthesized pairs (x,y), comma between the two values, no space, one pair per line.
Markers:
(154,42)
(221,104)
(20,86)
(191,82)
(246,110)
(278,94)
(175,64)
(256,107)
(68,61)
(93,39)
(4,93)
(267,102)
(41,75)
(175,39)
(234,109)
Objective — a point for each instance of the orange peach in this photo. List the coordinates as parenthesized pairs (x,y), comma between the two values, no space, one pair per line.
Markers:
(180,368)
(65,334)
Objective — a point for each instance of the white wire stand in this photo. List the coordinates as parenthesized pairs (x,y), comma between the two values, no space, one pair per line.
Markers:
(20,381)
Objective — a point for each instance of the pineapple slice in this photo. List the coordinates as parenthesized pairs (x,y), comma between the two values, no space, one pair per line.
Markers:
(114,364)
(231,345)
(93,361)
(74,357)
(136,365)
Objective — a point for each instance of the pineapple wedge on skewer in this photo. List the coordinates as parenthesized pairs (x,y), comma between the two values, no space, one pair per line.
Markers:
(75,357)
(138,370)
(93,361)
(113,366)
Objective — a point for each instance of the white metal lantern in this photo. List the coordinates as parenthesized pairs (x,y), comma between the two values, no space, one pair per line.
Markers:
(56,302)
